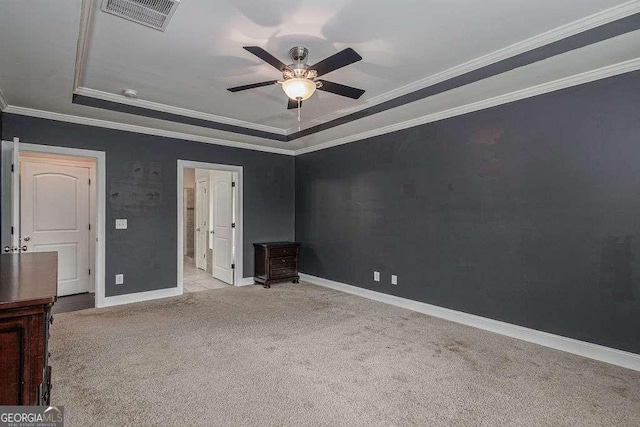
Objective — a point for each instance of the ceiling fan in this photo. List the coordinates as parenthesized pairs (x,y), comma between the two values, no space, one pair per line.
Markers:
(299,79)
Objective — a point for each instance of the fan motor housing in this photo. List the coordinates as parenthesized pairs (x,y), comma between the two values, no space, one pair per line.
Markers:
(299,54)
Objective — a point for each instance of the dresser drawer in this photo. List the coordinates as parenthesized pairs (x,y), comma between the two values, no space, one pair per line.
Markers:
(274,262)
(277,252)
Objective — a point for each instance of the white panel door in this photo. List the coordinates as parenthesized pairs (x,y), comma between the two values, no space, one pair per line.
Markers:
(55,217)
(222,226)
(202,228)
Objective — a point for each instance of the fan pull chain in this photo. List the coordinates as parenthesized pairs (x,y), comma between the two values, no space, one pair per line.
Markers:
(299,102)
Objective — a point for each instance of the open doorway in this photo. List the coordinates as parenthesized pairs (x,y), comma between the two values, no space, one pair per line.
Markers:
(208,228)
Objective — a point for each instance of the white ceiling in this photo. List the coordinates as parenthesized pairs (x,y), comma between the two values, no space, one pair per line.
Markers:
(191,64)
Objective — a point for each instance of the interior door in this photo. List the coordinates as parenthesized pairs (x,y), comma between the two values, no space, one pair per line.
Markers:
(222,226)
(11,203)
(202,228)
(55,217)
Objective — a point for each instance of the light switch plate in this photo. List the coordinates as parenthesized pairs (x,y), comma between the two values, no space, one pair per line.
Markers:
(394,279)
(121,224)
(376,276)
(119,279)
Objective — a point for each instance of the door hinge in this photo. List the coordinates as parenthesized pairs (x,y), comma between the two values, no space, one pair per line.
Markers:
(233,266)
(233,184)
(89,226)
(233,225)
(11,167)
(11,230)
(89,272)
(89,181)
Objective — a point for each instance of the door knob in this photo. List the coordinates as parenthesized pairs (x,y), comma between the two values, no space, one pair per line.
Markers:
(7,248)
(26,239)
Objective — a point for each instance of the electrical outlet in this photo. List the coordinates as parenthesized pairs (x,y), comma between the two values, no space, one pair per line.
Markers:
(394,279)
(121,224)
(119,279)
(376,276)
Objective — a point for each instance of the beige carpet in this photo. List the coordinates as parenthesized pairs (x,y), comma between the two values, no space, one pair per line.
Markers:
(306,355)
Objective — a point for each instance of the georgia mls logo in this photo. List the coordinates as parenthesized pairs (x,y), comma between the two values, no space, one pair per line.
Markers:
(54,414)
(31,416)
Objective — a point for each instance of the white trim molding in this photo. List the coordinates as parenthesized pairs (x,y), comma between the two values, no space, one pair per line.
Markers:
(61,117)
(121,99)
(246,281)
(139,297)
(3,102)
(578,79)
(575,80)
(569,345)
(84,36)
(584,24)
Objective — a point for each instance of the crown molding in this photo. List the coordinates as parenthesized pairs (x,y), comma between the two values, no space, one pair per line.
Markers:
(3,102)
(86,25)
(583,24)
(82,49)
(149,105)
(42,114)
(578,79)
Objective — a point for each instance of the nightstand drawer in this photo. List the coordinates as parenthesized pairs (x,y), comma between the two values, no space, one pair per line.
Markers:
(274,262)
(287,270)
(277,252)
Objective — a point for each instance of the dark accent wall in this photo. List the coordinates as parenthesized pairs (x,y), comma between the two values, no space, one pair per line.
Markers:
(527,213)
(141,175)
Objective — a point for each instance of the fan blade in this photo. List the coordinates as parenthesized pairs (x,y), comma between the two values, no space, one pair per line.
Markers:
(339,60)
(266,57)
(293,104)
(251,86)
(338,89)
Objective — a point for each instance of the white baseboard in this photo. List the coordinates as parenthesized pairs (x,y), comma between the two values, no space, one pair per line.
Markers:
(570,345)
(138,297)
(246,281)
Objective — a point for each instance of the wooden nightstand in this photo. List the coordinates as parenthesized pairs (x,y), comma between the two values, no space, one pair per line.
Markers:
(275,262)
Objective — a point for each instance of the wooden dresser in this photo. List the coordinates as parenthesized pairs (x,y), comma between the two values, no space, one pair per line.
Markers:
(275,262)
(28,287)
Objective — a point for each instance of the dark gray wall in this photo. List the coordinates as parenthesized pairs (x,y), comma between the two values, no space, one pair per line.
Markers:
(141,186)
(527,213)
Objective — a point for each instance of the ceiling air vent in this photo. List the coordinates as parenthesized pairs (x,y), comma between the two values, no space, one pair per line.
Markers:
(152,13)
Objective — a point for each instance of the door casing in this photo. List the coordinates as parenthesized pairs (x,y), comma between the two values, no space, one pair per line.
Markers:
(100,210)
(201,229)
(238,215)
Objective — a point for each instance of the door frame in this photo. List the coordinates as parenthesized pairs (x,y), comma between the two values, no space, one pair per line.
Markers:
(184,164)
(41,158)
(100,206)
(196,256)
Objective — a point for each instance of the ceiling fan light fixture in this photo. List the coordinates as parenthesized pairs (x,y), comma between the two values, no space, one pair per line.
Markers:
(299,88)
